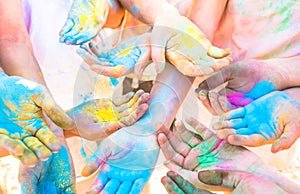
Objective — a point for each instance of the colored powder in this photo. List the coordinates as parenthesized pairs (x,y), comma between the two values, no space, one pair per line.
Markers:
(104,112)
(207,158)
(113,81)
(135,10)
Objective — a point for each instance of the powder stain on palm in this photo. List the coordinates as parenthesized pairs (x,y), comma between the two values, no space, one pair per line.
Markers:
(104,111)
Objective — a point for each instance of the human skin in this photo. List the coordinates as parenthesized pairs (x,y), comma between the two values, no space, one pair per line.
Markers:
(17,58)
(240,182)
(122,151)
(189,153)
(260,77)
(273,118)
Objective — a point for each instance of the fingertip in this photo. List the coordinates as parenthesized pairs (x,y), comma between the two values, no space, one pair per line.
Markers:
(162,139)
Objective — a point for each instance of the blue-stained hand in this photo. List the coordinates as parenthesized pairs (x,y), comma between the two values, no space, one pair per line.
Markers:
(126,159)
(273,118)
(85,20)
(131,55)
(56,175)
(23,128)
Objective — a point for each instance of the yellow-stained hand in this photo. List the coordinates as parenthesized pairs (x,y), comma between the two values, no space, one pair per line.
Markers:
(97,119)
(85,20)
(180,41)
(23,128)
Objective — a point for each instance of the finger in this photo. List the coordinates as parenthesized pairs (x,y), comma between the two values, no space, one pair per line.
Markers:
(107,70)
(225,104)
(142,62)
(124,187)
(224,133)
(221,63)
(138,186)
(40,150)
(84,36)
(216,80)
(28,158)
(47,137)
(54,111)
(98,184)
(168,151)
(235,114)
(178,145)
(87,57)
(189,175)
(201,129)
(171,186)
(202,95)
(132,101)
(111,186)
(123,99)
(69,36)
(185,135)
(218,53)
(185,185)
(92,164)
(66,28)
(135,115)
(234,123)
(95,48)
(12,146)
(246,140)
(215,104)
(287,139)
(158,57)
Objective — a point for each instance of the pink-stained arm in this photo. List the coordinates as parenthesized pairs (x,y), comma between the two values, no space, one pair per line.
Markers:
(200,8)
(16,53)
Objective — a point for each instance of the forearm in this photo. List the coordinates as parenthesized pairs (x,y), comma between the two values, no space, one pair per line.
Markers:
(147,11)
(16,54)
(204,12)
(285,72)
(168,92)
(273,175)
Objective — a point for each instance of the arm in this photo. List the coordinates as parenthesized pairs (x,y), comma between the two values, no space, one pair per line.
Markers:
(16,53)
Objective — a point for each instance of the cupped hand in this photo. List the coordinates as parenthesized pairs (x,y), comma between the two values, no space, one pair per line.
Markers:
(273,118)
(56,175)
(99,118)
(188,152)
(181,42)
(23,128)
(125,159)
(85,20)
(244,82)
(240,182)
(131,55)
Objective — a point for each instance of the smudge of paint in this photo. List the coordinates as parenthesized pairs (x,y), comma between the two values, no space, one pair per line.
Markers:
(29,84)
(113,81)
(135,10)
(242,99)
(207,157)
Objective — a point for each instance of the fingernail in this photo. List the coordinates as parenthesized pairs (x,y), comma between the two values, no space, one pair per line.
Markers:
(202,95)
(197,90)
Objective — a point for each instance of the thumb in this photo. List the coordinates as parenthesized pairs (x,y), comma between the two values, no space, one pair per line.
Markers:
(54,111)
(143,62)
(287,139)
(158,57)
(93,163)
(218,53)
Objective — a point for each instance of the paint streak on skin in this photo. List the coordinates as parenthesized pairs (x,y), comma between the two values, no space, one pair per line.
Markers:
(207,157)
(135,10)
(242,99)
(29,84)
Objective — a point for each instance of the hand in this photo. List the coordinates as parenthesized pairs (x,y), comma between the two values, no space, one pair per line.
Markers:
(273,118)
(246,81)
(23,128)
(56,175)
(188,152)
(99,118)
(85,20)
(125,159)
(186,47)
(130,55)
(241,182)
